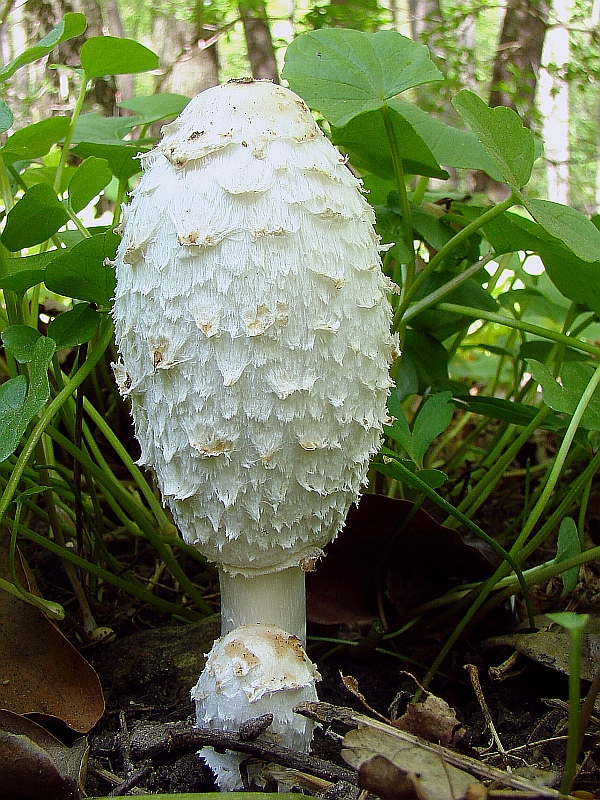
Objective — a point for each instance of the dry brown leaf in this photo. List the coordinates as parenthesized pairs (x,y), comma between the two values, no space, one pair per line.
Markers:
(40,671)
(433,719)
(437,780)
(382,778)
(550,646)
(352,685)
(35,765)
(412,563)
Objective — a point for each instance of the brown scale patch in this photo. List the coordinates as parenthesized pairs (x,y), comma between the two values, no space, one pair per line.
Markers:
(237,649)
(283,643)
(216,448)
(195,135)
(188,238)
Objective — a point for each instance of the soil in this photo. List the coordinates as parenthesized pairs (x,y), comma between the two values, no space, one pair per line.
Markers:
(147,676)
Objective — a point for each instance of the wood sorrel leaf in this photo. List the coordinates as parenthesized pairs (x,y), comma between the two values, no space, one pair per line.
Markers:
(70,26)
(577,232)
(107,55)
(577,279)
(504,137)
(6,116)
(568,545)
(564,398)
(433,418)
(102,137)
(35,140)
(450,146)
(21,341)
(74,327)
(155,107)
(91,177)
(25,272)
(34,218)
(364,138)
(14,418)
(343,73)
(85,271)
(424,364)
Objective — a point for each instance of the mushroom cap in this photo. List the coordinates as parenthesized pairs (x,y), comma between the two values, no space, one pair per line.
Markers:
(253,326)
(254,670)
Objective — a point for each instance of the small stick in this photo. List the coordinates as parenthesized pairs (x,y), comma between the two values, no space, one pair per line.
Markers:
(187,739)
(475,683)
(132,781)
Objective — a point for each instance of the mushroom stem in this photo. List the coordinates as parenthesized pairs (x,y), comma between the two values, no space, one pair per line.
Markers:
(277,598)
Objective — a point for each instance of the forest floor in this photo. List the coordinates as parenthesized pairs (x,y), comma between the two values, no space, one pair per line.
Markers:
(146,674)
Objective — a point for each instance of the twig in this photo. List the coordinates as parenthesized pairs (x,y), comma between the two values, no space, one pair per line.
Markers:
(125,745)
(187,739)
(132,781)
(329,714)
(475,683)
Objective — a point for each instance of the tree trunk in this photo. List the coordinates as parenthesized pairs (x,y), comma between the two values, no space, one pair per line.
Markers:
(553,97)
(516,69)
(115,28)
(519,55)
(259,43)
(190,65)
(426,24)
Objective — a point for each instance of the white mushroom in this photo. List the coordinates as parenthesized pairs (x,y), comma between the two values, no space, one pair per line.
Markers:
(253,327)
(254,670)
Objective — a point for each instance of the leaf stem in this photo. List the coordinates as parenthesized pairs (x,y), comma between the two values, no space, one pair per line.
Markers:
(445,251)
(509,322)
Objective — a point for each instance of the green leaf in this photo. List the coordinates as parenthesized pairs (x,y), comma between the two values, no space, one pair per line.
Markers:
(577,279)
(443,324)
(6,116)
(14,415)
(35,141)
(564,398)
(577,232)
(121,159)
(89,180)
(451,147)
(388,464)
(25,272)
(434,417)
(155,107)
(568,546)
(343,73)
(570,620)
(85,271)
(424,364)
(74,327)
(21,341)
(108,55)
(507,411)
(101,130)
(365,139)
(34,218)
(12,394)
(36,173)
(398,430)
(508,143)
(70,26)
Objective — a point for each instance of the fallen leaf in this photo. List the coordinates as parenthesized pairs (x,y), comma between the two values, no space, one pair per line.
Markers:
(40,671)
(35,765)
(432,719)
(382,778)
(352,685)
(376,550)
(550,646)
(438,780)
